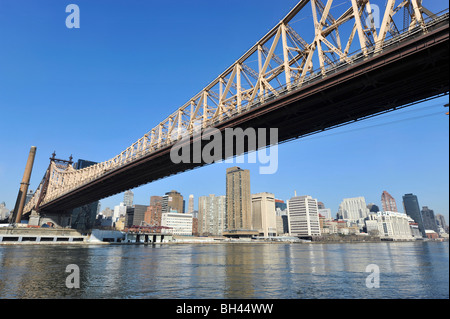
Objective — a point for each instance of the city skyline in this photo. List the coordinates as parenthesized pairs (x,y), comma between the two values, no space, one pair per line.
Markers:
(334,216)
(345,162)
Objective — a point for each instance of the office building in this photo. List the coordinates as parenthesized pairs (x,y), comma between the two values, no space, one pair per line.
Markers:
(264,215)
(154,211)
(326,213)
(393,225)
(135,215)
(281,217)
(353,209)
(303,216)
(180,223)
(280,207)
(128,198)
(440,219)
(211,215)
(238,201)
(429,220)
(388,202)
(191,204)
(195,226)
(412,209)
(173,202)
(119,210)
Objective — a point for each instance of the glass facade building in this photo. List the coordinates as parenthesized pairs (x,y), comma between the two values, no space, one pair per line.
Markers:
(412,209)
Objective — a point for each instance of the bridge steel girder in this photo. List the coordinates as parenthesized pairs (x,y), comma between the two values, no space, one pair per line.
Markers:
(380,84)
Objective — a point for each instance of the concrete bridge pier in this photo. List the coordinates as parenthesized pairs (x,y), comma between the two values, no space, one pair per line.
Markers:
(57,219)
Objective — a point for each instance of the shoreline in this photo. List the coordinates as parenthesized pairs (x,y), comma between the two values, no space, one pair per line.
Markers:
(215,242)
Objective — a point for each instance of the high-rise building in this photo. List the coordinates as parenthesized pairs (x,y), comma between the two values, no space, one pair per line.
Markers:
(429,220)
(119,210)
(239,200)
(264,215)
(191,204)
(412,209)
(388,202)
(326,213)
(194,226)
(173,202)
(128,198)
(280,205)
(441,221)
(281,217)
(303,216)
(353,209)
(211,215)
(135,215)
(320,205)
(154,211)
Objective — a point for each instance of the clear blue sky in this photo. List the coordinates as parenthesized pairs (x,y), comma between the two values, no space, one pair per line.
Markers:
(93,91)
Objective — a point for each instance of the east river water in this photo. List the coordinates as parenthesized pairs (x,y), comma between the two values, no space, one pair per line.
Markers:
(222,271)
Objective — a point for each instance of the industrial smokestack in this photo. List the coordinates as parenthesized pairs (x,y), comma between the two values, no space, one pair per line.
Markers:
(20,203)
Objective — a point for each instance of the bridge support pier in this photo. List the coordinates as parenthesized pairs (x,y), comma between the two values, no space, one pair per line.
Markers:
(55,219)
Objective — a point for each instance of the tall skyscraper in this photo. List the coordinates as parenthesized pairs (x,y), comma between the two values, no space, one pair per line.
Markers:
(211,215)
(239,200)
(154,211)
(303,216)
(135,215)
(429,220)
(128,198)
(263,214)
(191,204)
(412,208)
(353,209)
(441,221)
(173,202)
(119,210)
(280,206)
(388,202)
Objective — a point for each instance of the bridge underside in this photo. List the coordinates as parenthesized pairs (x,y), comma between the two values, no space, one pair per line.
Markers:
(411,71)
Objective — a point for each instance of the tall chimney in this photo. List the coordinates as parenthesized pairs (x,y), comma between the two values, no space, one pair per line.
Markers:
(24,185)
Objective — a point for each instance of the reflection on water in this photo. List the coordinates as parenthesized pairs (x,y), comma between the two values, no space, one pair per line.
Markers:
(281,271)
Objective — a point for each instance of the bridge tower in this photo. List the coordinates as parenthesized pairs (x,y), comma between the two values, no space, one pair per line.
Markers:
(39,217)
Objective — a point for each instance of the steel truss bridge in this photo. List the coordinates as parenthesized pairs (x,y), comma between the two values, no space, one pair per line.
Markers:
(346,69)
